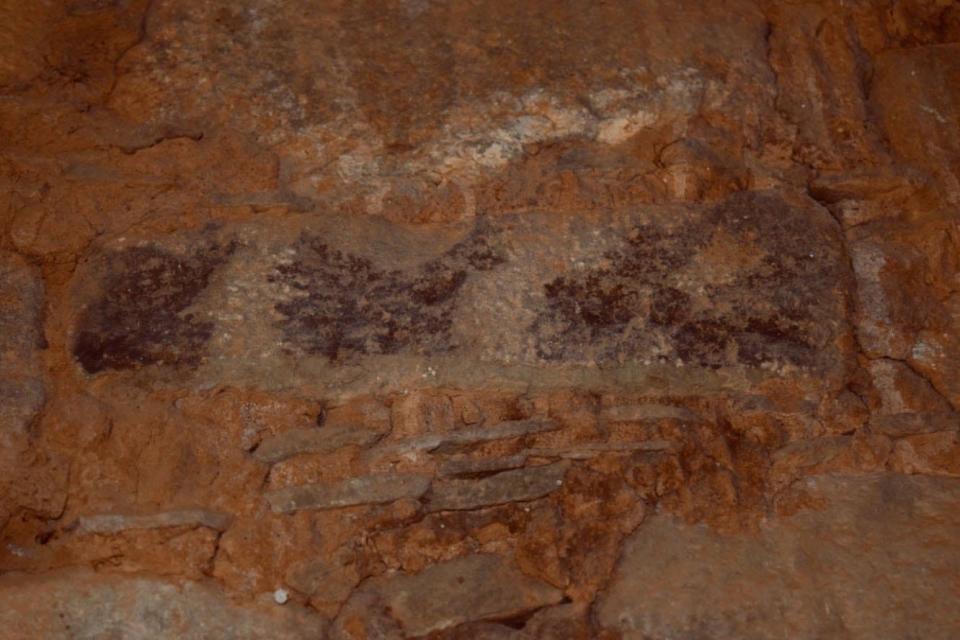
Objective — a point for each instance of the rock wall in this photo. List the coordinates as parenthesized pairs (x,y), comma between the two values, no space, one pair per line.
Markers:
(496,320)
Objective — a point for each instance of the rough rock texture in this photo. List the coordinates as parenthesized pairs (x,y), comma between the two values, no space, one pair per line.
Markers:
(872,545)
(483,319)
(81,604)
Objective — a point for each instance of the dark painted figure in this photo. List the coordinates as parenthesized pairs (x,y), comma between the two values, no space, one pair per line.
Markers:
(141,318)
(346,305)
(627,310)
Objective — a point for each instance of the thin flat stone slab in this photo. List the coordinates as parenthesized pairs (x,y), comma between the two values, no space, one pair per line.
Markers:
(313,440)
(519,485)
(875,557)
(592,450)
(83,605)
(467,437)
(116,522)
(373,489)
(649,413)
(467,589)
(468,466)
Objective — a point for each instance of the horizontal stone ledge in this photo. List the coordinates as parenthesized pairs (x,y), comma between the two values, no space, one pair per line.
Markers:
(373,489)
(116,522)
(313,440)
(648,412)
(519,485)
(586,451)
(467,466)
(466,437)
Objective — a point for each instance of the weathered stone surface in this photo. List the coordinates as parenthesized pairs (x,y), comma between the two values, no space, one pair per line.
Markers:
(113,523)
(22,388)
(646,412)
(585,451)
(82,604)
(476,587)
(902,390)
(916,94)
(327,582)
(470,466)
(874,558)
(368,275)
(313,440)
(142,316)
(467,437)
(906,424)
(375,489)
(936,454)
(248,299)
(519,485)
(644,283)
(21,339)
(346,306)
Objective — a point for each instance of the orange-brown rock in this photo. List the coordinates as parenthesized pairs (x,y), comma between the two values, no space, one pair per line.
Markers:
(485,319)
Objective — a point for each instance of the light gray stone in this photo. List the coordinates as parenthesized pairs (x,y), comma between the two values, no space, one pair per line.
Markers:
(467,589)
(469,466)
(21,339)
(115,522)
(905,424)
(586,451)
(466,437)
(313,440)
(877,558)
(82,605)
(519,485)
(373,489)
(21,305)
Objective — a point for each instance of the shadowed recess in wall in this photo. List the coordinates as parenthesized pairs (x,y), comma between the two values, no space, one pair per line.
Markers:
(142,316)
(343,304)
(744,284)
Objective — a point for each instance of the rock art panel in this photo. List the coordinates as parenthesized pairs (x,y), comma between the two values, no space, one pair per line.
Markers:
(491,320)
(755,282)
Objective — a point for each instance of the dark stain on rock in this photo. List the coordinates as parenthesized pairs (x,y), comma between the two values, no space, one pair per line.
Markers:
(141,317)
(629,308)
(345,305)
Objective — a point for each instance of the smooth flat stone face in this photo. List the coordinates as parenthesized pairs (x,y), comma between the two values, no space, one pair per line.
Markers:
(878,559)
(312,440)
(22,391)
(374,489)
(82,604)
(115,522)
(517,485)
(476,587)
(752,284)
